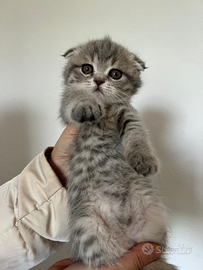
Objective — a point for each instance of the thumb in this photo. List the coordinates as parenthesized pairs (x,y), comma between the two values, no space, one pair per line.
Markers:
(65,141)
(139,256)
(61,265)
(144,253)
(60,155)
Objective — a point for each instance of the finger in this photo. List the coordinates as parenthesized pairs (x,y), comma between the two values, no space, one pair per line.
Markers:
(60,155)
(61,265)
(66,140)
(79,266)
(70,130)
(137,257)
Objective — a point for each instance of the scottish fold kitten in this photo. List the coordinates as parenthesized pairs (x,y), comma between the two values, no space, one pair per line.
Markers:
(112,202)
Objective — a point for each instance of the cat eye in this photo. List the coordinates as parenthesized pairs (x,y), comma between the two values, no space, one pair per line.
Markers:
(116,74)
(87,69)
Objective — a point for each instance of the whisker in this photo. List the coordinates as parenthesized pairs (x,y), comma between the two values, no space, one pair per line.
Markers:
(122,99)
(119,95)
(115,95)
(122,93)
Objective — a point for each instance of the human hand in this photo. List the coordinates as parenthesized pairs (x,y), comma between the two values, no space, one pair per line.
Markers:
(135,259)
(60,155)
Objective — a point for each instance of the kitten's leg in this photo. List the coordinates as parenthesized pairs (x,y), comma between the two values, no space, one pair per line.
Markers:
(137,149)
(92,244)
(159,264)
(86,110)
(80,107)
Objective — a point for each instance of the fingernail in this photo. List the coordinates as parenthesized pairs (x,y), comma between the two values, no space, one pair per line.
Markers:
(157,251)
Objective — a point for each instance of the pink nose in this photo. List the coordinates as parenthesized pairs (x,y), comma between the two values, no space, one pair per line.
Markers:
(98,82)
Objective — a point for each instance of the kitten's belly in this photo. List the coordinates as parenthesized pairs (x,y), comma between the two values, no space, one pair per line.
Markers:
(141,219)
(121,198)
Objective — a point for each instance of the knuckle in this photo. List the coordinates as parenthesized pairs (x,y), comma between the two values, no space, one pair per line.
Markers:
(137,262)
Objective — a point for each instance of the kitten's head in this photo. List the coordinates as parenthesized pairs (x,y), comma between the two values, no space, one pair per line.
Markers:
(104,69)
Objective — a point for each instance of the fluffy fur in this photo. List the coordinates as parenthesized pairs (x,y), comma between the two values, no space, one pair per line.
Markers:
(112,201)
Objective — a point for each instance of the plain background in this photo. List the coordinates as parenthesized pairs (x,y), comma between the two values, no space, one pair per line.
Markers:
(168,35)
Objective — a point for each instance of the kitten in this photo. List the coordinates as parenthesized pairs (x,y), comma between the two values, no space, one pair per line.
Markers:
(112,203)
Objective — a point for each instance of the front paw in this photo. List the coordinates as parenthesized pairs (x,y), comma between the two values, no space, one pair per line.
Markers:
(87,111)
(144,164)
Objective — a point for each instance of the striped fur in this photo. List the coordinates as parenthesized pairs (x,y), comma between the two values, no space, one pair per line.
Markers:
(112,201)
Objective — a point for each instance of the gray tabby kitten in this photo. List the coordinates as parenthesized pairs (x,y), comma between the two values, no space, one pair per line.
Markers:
(112,203)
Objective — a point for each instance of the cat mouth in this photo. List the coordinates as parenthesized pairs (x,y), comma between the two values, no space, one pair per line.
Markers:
(98,90)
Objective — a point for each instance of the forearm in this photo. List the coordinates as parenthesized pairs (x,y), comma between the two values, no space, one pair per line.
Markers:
(137,149)
(33,207)
(69,102)
(132,131)
(80,106)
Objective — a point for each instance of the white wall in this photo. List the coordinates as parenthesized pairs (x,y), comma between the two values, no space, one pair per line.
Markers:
(167,34)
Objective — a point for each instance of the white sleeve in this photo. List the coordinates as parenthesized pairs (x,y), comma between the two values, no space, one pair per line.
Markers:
(33,216)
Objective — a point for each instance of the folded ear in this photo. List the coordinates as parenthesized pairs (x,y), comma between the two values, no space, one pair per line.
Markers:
(139,64)
(68,52)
